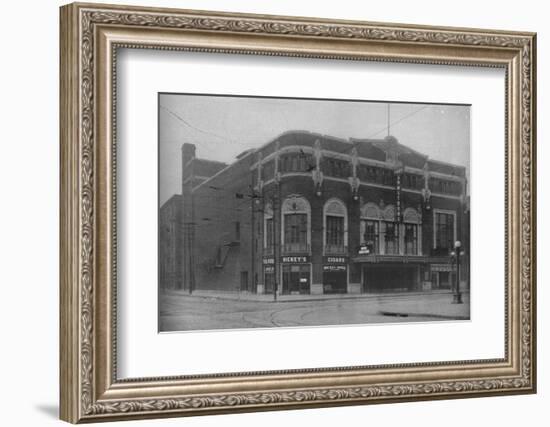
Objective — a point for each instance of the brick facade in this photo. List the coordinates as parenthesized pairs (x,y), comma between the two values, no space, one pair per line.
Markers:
(171,244)
(309,213)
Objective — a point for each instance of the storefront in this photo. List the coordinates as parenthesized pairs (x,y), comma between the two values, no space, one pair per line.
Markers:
(296,274)
(335,274)
(443,276)
(269,274)
(389,278)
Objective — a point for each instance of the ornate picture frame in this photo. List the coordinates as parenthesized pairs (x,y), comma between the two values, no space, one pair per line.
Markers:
(90,37)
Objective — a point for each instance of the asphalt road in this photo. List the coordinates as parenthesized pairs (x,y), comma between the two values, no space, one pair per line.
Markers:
(180,312)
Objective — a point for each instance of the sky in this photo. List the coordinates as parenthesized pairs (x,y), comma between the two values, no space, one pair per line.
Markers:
(221,127)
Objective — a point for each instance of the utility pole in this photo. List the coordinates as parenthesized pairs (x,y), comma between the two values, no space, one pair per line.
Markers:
(277,238)
(253,200)
(457,295)
(274,203)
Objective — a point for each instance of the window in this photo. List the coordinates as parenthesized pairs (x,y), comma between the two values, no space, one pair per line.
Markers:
(444,232)
(446,187)
(335,231)
(296,162)
(296,228)
(336,167)
(269,233)
(268,170)
(376,175)
(296,278)
(391,237)
(335,227)
(411,239)
(369,235)
(296,222)
(412,181)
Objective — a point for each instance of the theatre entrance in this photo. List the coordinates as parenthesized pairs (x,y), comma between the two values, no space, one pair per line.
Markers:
(390,278)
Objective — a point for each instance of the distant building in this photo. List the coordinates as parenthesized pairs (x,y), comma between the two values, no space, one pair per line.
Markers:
(171,244)
(318,214)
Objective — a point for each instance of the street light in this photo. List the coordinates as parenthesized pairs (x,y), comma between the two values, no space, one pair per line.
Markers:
(457,295)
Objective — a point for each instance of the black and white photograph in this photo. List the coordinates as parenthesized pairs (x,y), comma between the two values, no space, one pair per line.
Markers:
(301,212)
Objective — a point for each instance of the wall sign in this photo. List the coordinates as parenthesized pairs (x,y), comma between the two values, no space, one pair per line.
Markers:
(295,259)
(335,260)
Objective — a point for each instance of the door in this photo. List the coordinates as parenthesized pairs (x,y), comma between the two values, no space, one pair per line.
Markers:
(296,279)
(388,279)
(444,280)
(335,282)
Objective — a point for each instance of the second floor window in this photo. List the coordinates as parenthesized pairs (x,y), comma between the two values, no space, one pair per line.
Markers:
(391,237)
(269,238)
(296,228)
(369,235)
(411,239)
(444,232)
(335,231)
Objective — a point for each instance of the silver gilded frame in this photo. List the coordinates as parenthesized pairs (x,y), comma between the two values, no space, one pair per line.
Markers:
(90,37)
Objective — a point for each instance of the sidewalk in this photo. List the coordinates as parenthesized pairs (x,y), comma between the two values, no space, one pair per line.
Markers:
(248,296)
(440,307)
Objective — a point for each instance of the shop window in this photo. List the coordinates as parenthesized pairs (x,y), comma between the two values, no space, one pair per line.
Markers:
(269,279)
(296,278)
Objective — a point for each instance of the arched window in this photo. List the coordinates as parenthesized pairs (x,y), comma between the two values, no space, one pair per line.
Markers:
(296,219)
(390,231)
(370,211)
(370,227)
(411,239)
(336,227)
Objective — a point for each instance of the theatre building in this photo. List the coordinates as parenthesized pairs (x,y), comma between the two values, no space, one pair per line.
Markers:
(313,214)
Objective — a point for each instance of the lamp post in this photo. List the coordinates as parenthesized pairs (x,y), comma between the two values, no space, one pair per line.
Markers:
(457,295)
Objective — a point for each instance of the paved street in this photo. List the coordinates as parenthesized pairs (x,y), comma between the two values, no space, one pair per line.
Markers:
(182,312)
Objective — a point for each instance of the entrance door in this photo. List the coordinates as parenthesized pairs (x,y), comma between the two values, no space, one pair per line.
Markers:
(388,279)
(296,279)
(335,282)
(444,280)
